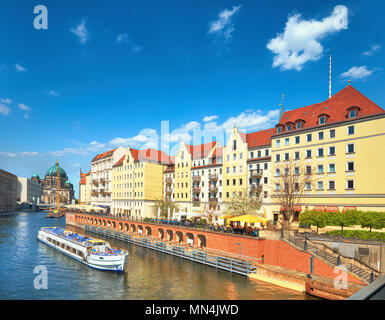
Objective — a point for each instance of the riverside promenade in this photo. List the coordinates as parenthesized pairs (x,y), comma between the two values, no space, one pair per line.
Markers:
(276,260)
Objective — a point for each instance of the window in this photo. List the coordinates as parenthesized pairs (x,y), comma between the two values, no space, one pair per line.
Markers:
(286,156)
(277,157)
(234,182)
(234,156)
(320,152)
(332,133)
(227,182)
(350,130)
(277,173)
(308,186)
(234,169)
(296,186)
(320,168)
(228,170)
(265,166)
(287,141)
(352,114)
(308,170)
(266,152)
(240,181)
(332,151)
(279,129)
(265,180)
(322,120)
(259,153)
(296,171)
(235,145)
(320,185)
(277,187)
(297,140)
(228,157)
(278,143)
(350,184)
(332,168)
(320,135)
(265,194)
(296,155)
(308,137)
(240,155)
(251,155)
(288,127)
(299,125)
(351,148)
(308,154)
(350,166)
(332,185)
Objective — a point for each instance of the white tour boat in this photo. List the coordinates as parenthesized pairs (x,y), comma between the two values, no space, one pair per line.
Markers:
(94,253)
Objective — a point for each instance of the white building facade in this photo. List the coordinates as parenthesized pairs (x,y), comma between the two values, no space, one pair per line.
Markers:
(28,191)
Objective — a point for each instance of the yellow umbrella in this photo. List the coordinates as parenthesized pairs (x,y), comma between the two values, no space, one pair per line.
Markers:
(249,219)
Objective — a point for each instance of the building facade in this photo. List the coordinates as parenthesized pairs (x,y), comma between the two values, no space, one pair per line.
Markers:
(101,176)
(29,190)
(8,191)
(138,179)
(66,192)
(341,143)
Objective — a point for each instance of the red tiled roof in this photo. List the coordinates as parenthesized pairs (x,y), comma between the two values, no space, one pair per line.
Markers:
(335,107)
(218,152)
(82,178)
(120,162)
(150,154)
(259,138)
(103,155)
(200,150)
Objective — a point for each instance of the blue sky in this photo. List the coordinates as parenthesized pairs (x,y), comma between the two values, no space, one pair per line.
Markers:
(106,73)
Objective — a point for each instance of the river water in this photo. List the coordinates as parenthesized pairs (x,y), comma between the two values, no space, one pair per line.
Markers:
(149,274)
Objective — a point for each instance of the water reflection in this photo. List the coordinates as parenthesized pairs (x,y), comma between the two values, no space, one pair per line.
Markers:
(149,274)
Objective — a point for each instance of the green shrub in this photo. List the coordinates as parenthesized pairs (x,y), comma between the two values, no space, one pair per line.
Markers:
(361,234)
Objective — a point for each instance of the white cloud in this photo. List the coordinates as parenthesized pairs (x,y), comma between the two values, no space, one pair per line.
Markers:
(23,107)
(81,32)
(19,68)
(4,110)
(357,72)
(300,41)
(223,26)
(5,101)
(124,38)
(374,47)
(29,153)
(53,93)
(8,154)
(209,118)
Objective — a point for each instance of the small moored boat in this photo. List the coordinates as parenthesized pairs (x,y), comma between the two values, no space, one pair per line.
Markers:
(95,253)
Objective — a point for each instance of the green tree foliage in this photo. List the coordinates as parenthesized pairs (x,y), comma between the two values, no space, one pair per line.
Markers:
(314,218)
(372,220)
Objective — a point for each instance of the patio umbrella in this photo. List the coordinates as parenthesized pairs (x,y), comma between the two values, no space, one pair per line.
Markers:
(249,219)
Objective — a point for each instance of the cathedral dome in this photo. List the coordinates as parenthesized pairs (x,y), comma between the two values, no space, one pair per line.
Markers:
(36,176)
(52,172)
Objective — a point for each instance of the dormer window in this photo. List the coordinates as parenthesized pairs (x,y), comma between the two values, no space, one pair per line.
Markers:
(279,128)
(299,123)
(288,127)
(353,112)
(323,118)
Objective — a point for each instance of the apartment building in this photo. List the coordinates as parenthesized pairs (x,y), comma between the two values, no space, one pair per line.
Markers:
(235,173)
(138,181)
(341,142)
(206,176)
(259,167)
(101,176)
(8,191)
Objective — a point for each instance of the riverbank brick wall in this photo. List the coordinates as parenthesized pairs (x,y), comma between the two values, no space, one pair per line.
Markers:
(274,252)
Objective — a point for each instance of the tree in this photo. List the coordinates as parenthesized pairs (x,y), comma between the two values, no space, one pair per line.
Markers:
(372,219)
(164,206)
(314,218)
(292,178)
(343,219)
(245,204)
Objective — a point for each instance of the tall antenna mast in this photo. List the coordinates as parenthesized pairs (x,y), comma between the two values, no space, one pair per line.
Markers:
(281,104)
(330,75)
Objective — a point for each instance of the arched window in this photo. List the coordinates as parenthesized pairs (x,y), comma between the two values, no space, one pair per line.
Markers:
(353,112)
(299,123)
(323,118)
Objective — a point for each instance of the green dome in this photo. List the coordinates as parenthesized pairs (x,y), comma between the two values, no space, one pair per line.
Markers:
(36,176)
(52,172)
(67,181)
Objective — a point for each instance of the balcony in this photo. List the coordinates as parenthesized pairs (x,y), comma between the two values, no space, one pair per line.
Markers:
(196,189)
(255,188)
(196,202)
(196,178)
(256,173)
(213,189)
(168,181)
(213,177)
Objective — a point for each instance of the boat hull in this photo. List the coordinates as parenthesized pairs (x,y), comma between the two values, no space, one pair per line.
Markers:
(115,264)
